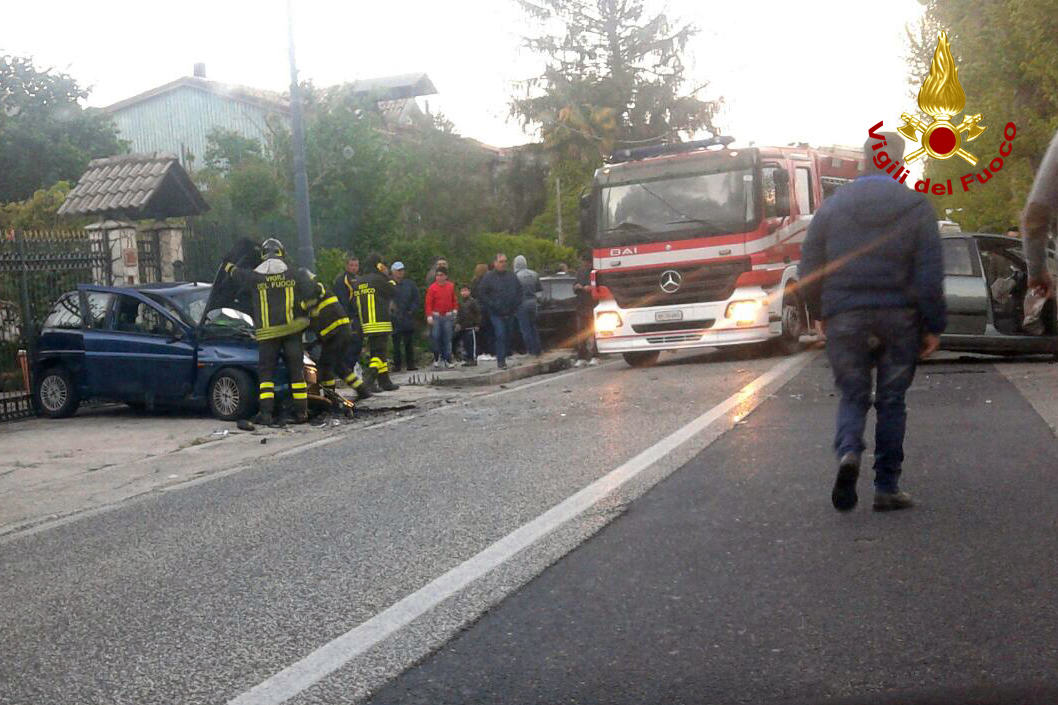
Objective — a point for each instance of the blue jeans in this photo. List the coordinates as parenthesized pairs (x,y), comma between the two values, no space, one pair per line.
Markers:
(441,336)
(527,323)
(503,332)
(889,340)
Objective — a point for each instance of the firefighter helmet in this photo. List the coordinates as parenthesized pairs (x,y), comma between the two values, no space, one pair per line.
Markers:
(272,249)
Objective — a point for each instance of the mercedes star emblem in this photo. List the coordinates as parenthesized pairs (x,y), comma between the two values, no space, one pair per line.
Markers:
(670,281)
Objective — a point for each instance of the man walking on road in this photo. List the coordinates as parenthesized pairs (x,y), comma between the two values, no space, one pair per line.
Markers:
(1036,221)
(501,292)
(872,275)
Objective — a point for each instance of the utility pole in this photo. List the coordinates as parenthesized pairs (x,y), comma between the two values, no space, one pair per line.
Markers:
(306,254)
(558,207)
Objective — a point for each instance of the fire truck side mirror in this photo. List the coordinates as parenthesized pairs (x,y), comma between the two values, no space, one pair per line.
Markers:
(587,218)
(782,193)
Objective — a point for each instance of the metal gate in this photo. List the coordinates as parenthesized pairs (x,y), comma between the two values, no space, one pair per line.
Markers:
(148,250)
(35,268)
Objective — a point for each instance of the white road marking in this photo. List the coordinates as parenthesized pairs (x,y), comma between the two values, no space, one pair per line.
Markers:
(335,654)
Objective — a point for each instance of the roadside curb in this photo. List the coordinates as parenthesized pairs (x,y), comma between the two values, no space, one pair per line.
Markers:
(511,374)
(495,377)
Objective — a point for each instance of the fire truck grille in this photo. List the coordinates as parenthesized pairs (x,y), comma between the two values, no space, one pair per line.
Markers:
(673,325)
(699,283)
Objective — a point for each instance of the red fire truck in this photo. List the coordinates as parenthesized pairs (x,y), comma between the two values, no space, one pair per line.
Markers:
(696,245)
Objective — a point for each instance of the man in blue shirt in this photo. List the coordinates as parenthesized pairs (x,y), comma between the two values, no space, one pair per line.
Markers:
(872,274)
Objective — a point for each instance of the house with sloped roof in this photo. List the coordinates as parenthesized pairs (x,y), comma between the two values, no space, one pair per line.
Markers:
(178,116)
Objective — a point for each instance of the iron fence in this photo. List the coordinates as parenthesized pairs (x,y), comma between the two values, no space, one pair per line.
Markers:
(35,268)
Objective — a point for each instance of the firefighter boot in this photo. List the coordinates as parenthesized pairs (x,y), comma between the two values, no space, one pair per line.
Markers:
(358,386)
(263,418)
(370,381)
(299,391)
(386,383)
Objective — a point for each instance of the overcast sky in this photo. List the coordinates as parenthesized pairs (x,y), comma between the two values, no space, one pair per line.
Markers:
(821,71)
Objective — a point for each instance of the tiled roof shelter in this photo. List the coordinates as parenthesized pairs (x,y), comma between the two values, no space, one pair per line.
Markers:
(135,187)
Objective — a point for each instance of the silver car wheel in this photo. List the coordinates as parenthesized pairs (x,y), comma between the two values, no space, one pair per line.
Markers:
(54,393)
(226,396)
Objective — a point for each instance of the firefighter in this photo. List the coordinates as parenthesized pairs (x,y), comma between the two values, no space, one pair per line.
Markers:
(374,292)
(344,288)
(330,322)
(277,328)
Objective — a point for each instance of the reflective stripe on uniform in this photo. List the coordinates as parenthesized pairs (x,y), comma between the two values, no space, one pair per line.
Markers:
(371,315)
(299,385)
(263,294)
(300,395)
(328,329)
(324,304)
(381,327)
(267,385)
(353,380)
(266,395)
(289,291)
(329,383)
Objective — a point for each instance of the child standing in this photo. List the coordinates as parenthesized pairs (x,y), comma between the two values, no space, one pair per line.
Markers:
(468,320)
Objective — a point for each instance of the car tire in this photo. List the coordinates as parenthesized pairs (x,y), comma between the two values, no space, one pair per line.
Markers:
(230,395)
(56,393)
(642,359)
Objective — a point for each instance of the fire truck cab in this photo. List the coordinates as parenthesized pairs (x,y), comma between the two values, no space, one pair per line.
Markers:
(696,245)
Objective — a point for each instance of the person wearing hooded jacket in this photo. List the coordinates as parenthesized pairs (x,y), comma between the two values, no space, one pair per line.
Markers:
(278,323)
(872,276)
(374,294)
(528,308)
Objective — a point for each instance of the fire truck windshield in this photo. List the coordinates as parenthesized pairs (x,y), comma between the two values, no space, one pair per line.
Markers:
(670,208)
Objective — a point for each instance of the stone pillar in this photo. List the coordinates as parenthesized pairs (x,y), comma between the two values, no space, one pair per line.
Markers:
(170,240)
(124,256)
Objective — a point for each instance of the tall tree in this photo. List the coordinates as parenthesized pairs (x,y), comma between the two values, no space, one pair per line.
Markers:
(1008,68)
(45,134)
(614,76)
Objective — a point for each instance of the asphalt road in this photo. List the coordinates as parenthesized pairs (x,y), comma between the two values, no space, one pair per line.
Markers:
(198,594)
(733,581)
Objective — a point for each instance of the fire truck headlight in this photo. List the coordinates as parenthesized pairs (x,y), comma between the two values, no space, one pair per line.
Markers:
(607,322)
(744,313)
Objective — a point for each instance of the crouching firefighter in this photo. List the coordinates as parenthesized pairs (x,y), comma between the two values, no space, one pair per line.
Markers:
(374,292)
(330,322)
(277,327)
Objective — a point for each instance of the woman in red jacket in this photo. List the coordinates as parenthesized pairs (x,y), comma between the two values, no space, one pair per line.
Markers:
(441,306)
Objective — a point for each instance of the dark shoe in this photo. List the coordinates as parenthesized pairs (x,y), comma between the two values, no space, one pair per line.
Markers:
(890,501)
(395,367)
(844,494)
(472,363)
(300,419)
(362,392)
(371,381)
(386,383)
(411,368)
(501,365)
(263,419)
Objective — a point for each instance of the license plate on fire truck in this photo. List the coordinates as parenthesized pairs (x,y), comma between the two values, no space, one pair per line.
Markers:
(668,316)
